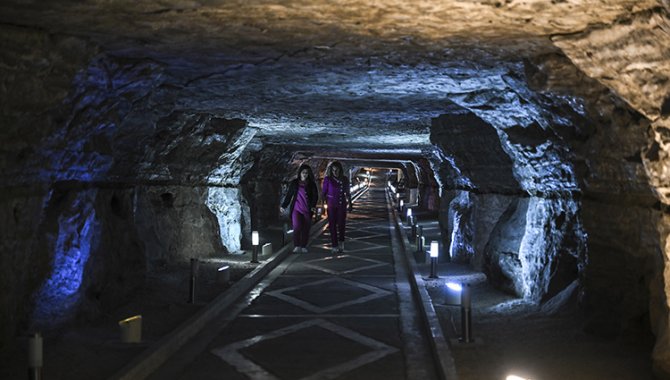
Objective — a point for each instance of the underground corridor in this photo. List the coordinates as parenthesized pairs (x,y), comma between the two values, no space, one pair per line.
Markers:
(147,149)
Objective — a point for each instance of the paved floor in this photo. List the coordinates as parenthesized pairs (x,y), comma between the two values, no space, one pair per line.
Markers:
(321,315)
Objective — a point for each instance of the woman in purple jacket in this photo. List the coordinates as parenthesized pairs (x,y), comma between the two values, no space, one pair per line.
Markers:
(302,195)
(338,196)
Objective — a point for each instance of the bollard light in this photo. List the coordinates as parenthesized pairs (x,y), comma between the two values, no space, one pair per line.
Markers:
(434,251)
(255,240)
(400,205)
(466,314)
(419,239)
(266,250)
(223,274)
(35,357)
(409,213)
(454,286)
(131,329)
(453,294)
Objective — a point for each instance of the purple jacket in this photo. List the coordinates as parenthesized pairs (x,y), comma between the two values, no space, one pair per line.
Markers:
(336,193)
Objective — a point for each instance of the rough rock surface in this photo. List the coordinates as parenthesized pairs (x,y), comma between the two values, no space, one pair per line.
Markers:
(142,132)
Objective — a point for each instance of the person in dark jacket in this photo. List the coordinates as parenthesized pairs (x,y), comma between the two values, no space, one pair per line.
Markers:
(302,196)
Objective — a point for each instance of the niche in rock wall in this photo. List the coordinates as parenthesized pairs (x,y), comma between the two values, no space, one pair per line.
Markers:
(168,200)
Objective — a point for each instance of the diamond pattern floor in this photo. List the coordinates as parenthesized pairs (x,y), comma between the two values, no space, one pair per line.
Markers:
(327,316)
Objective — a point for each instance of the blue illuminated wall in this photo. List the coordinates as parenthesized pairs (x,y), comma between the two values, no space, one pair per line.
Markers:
(84,150)
(60,293)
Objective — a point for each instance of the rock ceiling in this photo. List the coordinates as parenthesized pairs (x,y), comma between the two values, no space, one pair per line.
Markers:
(366,74)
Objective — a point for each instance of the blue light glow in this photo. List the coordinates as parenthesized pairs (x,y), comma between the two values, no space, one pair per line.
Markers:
(454,286)
(82,148)
(60,293)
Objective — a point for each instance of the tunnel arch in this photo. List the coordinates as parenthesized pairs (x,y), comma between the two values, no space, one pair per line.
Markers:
(108,109)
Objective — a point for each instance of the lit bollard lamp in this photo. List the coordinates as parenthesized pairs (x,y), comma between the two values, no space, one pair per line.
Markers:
(195,264)
(408,217)
(414,223)
(419,239)
(434,252)
(452,294)
(35,357)
(223,274)
(254,242)
(515,377)
(400,206)
(466,314)
(131,329)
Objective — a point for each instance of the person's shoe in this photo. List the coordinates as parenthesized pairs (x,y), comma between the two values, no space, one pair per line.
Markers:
(296,250)
(304,249)
(336,250)
(341,247)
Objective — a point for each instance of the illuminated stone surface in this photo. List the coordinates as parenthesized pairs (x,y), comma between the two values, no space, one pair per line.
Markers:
(160,112)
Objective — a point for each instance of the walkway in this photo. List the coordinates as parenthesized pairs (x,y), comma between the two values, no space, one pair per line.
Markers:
(321,315)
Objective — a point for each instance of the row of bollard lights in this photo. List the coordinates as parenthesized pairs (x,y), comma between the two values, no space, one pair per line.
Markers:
(457,294)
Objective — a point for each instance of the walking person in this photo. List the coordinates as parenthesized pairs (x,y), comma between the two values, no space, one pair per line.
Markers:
(302,196)
(337,194)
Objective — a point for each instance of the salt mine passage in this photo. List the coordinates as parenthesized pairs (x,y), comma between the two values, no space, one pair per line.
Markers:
(334,189)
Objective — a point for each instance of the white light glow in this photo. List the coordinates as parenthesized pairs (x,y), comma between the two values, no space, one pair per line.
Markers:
(225,267)
(409,212)
(254,238)
(402,203)
(515,377)
(454,286)
(434,246)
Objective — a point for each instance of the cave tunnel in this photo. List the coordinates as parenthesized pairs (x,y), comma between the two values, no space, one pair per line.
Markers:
(528,138)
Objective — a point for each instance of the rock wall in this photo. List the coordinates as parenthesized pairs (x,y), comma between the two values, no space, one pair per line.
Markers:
(104,176)
(622,281)
(22,264)
(639,77)
(35,77)
(599,189)
(177,223)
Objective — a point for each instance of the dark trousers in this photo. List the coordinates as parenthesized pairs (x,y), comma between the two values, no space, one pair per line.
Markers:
(337,216)
(301,225)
